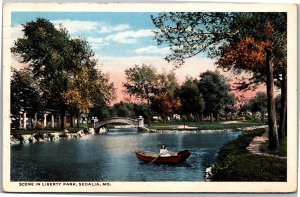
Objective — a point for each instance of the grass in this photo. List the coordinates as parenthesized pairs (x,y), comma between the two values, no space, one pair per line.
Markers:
(205,125)
(282,148)
(47,130)
(235,163)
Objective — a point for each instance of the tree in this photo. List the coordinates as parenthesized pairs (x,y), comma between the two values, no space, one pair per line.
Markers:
(124,109)
(63,67)
(141,81)
(25,93)
(165,101)
(215,91)
(259,104)
(191,99)
(261,38)
(257,49)
(47,50)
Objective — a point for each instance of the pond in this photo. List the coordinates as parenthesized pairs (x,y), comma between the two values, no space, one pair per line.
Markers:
(110,157)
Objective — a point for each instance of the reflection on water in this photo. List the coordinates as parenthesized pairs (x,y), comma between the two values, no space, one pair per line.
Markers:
(110,157)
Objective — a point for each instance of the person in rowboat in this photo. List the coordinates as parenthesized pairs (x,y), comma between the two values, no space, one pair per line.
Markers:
(164,152)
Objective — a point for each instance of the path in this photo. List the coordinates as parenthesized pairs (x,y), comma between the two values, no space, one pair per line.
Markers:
(254,146)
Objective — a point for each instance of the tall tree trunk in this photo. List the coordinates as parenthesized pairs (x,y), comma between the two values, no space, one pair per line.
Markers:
(78,114)
(262,113)
(202,118)
(283,110)
(285,125)
(211,117)
(63,123)
(273,134)
(72,120)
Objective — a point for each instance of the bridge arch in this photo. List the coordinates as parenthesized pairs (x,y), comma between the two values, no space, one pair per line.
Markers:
(139,122)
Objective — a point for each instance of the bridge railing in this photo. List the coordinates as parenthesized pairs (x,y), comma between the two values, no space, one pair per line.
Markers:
(114,118)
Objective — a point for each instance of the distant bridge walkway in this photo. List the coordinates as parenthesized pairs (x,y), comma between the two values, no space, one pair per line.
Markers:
(139,122)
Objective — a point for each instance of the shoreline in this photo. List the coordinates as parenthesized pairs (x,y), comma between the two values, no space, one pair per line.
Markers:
(46,137)
(172,131)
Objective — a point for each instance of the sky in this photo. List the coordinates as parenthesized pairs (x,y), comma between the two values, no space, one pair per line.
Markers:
(120,40)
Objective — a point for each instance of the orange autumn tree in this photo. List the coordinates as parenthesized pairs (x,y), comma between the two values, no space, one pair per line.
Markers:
(256,56)
(85,90)
(165,104)
(165,101)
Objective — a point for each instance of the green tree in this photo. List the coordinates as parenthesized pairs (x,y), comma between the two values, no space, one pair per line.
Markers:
(215,91)
(191,99)
(49,55)
(25,93)
(141,81)
(124,109)
(165,101)
(63,67)
(259,104)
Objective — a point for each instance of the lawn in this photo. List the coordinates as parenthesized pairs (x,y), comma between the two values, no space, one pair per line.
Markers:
(235,163)
(205,125)
(282,148)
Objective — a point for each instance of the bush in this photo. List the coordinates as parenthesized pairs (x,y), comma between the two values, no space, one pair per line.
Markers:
(248,117)
(39,126)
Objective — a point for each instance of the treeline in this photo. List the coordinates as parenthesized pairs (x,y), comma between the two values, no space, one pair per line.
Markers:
(196,98)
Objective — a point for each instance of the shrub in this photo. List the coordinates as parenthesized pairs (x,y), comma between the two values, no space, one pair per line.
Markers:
(39,126)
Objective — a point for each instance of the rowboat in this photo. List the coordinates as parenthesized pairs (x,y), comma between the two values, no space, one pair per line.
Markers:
(156,158)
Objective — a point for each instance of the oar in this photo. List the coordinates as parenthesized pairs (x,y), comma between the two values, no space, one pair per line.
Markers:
(154,159)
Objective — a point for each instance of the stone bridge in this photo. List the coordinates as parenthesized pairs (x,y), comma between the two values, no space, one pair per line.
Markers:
(139,122)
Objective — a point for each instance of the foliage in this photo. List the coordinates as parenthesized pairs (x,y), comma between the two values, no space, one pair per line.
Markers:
(244,41)
(124,109)
(259,102)
(189,33)
(191,98)
(63,68)
(235,163)
(39,125)
(165,102)
(238,40)
(25,93)
(215,91)
(141,81)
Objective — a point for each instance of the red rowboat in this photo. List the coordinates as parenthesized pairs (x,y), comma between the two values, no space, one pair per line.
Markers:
(156,158)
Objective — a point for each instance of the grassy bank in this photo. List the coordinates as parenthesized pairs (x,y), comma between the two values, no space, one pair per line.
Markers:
(205,125)
(47,130)
(235,163)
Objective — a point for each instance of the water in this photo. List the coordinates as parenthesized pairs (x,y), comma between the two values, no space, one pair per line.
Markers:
(110,157)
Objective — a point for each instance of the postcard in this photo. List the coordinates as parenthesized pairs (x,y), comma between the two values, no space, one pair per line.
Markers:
(149,97)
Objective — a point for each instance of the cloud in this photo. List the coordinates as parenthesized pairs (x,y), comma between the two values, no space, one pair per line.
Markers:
(129,37)
(149,50)
(121,27)
(96,43)
(104,28)
(75,26)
